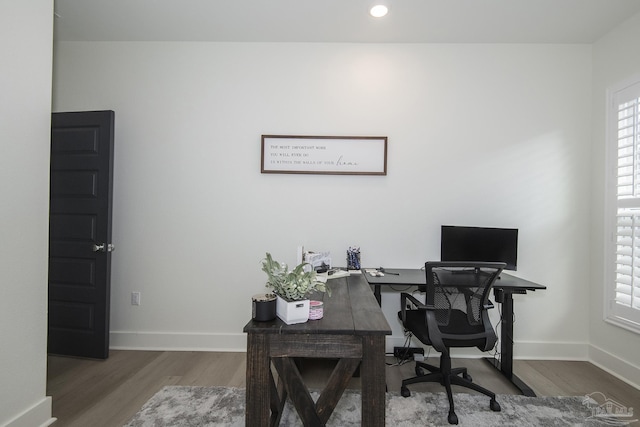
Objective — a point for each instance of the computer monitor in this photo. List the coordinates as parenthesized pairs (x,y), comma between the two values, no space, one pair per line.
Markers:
(459,243)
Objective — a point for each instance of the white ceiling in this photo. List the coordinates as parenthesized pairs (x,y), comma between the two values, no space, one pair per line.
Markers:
(408,21)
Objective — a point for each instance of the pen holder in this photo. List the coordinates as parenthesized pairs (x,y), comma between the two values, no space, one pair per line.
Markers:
(353,259)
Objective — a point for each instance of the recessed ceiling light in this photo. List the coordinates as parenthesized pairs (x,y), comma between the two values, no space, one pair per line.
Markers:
(379,11)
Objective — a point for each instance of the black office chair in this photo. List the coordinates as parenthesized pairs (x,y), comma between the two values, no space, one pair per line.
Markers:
(454,315)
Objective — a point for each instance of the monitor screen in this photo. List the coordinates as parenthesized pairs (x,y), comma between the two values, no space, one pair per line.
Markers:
(480,244)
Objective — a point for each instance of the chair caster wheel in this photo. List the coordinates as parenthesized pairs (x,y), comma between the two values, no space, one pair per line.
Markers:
(494,405)
(452,418)
(404,392)
(419,371)
(467,377)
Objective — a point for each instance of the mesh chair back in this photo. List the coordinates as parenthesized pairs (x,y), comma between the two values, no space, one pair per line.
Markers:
(459,290)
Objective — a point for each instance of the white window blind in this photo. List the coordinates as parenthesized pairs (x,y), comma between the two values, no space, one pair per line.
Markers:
(623,291)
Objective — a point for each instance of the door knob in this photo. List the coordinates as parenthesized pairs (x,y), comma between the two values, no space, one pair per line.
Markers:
(104,247)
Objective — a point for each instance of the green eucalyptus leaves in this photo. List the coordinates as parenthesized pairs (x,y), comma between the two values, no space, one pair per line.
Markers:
(292,285)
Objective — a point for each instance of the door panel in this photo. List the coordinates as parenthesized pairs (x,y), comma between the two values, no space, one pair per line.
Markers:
(80,218)
(74,184)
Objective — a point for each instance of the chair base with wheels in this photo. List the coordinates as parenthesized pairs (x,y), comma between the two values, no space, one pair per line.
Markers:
(454,314)
(454,376)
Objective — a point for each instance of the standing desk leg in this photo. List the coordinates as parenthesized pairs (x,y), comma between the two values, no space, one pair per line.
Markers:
(377,294)
(373,381)
(258,387)
(506,336)
(505,365)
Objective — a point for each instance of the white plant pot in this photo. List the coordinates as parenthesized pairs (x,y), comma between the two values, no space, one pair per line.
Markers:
(291,312)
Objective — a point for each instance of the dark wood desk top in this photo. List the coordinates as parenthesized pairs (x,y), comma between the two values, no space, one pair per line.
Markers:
(352,330)
(351,309)
(416,276)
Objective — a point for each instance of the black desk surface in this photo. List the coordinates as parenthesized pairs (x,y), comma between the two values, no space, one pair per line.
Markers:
(416,276)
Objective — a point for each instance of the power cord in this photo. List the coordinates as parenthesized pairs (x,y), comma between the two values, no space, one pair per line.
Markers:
(401,358)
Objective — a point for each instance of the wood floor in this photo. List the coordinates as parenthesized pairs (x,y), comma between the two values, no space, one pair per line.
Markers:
(107,393)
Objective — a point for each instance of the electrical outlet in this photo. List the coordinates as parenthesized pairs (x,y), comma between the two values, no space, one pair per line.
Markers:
(135,298)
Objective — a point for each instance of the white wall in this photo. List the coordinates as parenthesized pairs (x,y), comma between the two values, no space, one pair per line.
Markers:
(490,135)
(25,118)
(615,60)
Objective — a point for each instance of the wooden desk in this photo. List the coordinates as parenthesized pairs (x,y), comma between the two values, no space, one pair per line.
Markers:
(352,330)
(503,290)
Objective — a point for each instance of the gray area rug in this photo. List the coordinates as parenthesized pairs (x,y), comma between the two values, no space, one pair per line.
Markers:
(224,406)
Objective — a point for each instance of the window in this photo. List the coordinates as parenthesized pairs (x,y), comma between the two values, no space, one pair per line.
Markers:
(622,300)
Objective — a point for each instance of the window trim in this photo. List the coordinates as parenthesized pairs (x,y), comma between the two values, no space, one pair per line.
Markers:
(614,313)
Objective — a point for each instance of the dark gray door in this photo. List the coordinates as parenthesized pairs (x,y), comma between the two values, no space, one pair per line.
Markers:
(80,233)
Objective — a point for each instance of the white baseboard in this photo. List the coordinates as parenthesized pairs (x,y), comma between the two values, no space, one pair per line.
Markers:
(37,415)
(172,341)
(521,350)
(551,351)
(617,367)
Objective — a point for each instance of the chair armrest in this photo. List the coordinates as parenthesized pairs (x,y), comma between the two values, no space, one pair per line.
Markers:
(435,336)
(412,301)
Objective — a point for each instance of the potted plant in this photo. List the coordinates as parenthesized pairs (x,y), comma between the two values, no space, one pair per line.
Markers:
(292,289)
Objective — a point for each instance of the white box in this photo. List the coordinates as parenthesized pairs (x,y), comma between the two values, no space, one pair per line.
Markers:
(291,312)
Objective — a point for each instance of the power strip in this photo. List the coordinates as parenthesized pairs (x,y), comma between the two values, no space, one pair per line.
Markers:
(406,353)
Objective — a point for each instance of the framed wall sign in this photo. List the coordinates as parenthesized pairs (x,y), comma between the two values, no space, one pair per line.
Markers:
(333,155)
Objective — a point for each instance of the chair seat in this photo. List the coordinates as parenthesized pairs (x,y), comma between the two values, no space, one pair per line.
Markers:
(458,324)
